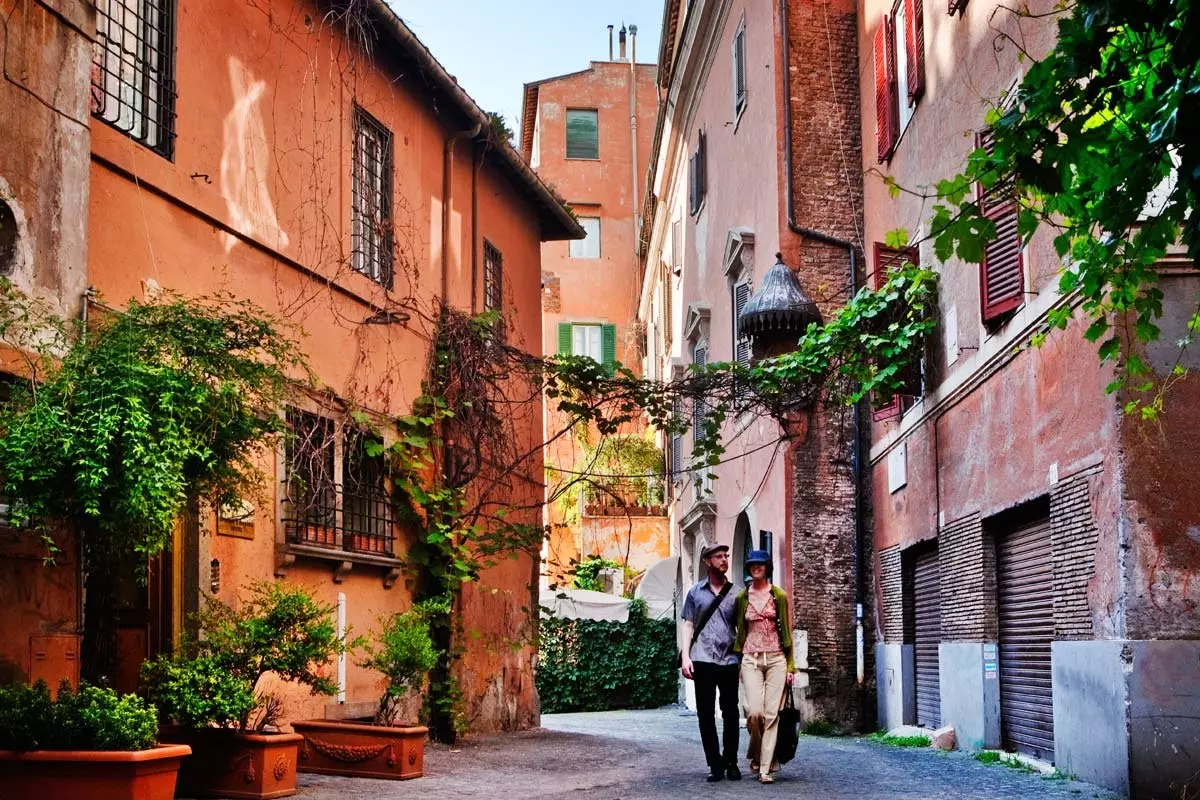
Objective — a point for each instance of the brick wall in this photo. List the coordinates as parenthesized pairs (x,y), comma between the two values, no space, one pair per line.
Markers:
(1074,535)
(891,584)
(822,95)
(967,564)
(823,567)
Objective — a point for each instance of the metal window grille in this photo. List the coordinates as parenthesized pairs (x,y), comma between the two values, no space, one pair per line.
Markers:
(371,199)
(493,278)
(356,515)
(133,70)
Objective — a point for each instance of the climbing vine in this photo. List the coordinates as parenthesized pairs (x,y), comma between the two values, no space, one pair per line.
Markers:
(1097,143)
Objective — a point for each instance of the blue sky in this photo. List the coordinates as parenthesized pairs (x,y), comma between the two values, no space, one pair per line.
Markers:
(495,47)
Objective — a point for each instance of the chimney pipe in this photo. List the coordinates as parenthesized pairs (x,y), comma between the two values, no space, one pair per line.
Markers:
(621,42)
(633,44)
(610,29)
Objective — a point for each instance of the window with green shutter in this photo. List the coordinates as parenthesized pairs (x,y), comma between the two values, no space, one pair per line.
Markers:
(583,133)
(609,347)
(596,341)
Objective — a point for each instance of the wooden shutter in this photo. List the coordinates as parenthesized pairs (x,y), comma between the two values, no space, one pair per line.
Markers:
(1002,271)
(566,342)
(699,358)
(741,342)
(739,70)
(886,259)
(676,440)
(583,133)
(693,174)
(914,42)
(702,162)
(886,108)
(608,347)
(668,312)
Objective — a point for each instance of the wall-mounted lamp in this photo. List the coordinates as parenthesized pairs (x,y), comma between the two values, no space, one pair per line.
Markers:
(214,576)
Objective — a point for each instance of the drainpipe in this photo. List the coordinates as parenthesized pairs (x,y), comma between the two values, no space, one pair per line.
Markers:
(447,181)
(637,217)
(859,526)
(475,167)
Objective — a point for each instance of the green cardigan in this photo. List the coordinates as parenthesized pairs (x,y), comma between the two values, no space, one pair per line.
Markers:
(783,617)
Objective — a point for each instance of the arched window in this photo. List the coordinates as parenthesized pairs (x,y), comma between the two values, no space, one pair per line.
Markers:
(743,543)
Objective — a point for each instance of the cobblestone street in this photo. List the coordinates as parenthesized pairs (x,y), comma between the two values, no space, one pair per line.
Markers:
(656,754)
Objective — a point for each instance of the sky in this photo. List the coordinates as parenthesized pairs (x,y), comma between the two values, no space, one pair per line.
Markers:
(495,47)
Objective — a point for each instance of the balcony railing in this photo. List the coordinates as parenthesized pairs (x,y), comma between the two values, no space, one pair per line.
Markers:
(331,518)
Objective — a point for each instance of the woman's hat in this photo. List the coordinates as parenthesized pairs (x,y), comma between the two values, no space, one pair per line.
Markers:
(758,557)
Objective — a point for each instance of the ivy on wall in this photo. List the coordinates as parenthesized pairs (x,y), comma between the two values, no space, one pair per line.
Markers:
(597,665)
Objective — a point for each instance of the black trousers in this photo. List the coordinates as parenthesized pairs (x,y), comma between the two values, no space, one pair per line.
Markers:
(711,678)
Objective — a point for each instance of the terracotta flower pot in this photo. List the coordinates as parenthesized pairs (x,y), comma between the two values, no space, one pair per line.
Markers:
(92,775)
(361,750)
(246,766)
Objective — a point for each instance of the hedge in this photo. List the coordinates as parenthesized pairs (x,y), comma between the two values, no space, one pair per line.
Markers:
(596,665)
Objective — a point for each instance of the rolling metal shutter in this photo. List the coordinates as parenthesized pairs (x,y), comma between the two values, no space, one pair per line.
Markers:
(1025,583)
(927,634)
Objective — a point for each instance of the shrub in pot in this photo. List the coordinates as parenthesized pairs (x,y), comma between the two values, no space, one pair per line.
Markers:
(209,690)
(403,651)
(83,744)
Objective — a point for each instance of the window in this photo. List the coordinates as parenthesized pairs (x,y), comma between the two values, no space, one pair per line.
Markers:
(589,246)
(493,278)
(371,200)
(337,497)
(698,175)
(583,133)
(699,358)
(741,342)
(887,259)
(899,56)
(1002,271)
(676,442)
(133,75)
(677,247)
(597,341)
(739,69)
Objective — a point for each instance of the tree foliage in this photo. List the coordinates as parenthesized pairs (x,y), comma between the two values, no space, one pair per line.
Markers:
(1099,144)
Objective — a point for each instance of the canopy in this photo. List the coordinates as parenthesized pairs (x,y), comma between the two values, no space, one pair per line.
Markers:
(658,587)
(584,604)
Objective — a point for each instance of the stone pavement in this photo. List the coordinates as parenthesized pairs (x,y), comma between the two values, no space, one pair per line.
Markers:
(622,755)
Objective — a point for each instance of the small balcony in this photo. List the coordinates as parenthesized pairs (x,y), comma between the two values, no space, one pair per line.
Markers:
(340,521)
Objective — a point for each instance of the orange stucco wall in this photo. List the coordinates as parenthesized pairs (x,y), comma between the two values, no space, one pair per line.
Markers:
(255,202)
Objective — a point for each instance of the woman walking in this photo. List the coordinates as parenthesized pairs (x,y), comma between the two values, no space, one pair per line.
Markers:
(764,640)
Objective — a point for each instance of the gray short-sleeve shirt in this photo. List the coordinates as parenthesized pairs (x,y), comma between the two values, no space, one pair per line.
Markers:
(715,644)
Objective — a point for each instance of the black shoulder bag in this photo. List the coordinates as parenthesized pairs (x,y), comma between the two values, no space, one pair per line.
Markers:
(705,616)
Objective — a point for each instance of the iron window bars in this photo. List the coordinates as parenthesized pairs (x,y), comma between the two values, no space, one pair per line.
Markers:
(133,70)
(371,200)
(355,515)
(493,278)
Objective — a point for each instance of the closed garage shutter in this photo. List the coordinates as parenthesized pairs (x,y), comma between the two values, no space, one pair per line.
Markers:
(1025,583)
(927,633)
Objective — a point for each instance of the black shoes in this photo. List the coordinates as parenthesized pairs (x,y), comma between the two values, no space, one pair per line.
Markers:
(716,776)
(733,773)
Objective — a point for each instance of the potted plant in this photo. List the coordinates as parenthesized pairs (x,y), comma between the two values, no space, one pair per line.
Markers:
(209,689)
(403,652)
(92,743)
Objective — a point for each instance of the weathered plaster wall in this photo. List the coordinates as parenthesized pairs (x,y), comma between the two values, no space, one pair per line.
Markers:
(44,137)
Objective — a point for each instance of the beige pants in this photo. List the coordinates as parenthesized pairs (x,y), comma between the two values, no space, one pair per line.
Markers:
(764,676)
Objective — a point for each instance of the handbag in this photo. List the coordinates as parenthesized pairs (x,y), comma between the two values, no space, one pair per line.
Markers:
(789,729)
(705,616)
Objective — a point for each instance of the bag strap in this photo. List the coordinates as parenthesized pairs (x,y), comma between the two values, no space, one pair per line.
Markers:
(706,615)
(779,624)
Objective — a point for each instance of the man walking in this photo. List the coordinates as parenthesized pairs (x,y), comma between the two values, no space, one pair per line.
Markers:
(709,628)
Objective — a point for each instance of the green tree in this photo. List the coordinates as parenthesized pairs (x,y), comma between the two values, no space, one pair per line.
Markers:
(148,410)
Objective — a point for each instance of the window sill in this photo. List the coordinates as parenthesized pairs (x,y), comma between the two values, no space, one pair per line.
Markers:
(343,560)
(580,158)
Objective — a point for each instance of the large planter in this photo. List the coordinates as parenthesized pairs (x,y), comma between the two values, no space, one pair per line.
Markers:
(361,750)
(91,775)
(245,766)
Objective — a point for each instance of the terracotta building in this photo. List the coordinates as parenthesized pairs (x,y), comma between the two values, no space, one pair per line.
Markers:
(588,135)
(748,179)
(1035,546)
(328,168)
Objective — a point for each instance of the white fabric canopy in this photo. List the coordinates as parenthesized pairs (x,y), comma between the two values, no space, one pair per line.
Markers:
(584,604)
(657,588)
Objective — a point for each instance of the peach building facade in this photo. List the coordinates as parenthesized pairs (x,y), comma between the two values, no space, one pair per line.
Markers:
(339,178)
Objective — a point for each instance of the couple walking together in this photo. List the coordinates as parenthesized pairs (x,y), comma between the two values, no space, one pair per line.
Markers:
(746,634)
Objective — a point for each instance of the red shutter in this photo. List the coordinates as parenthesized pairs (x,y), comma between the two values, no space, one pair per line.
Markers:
(914,43)
(886,112)
(885,259)
(1002,271)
